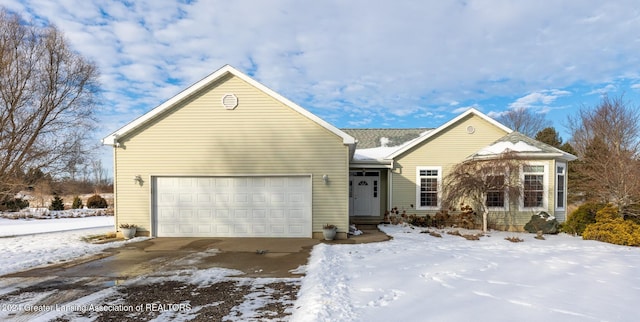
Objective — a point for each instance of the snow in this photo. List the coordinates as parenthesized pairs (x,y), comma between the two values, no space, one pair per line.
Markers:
(502,147)
(378,153)
(17,227)
(383,151)
(413,277)
(417,277)
(42,242)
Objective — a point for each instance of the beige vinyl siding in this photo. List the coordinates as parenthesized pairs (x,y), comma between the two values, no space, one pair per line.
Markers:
(260,136)
(517,217)
(445,149)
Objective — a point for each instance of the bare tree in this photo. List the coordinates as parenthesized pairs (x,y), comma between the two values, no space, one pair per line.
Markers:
(607,140)
(483,182)
(524,121)
(47,98)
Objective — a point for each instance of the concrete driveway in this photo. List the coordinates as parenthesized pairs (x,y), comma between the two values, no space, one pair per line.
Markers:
(162,278)
(256,257)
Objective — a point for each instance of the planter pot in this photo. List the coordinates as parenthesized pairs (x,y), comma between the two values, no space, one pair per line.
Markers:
(329,233)
(128,233)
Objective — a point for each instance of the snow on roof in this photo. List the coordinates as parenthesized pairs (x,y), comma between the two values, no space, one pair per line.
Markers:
(504,146)
(382,152)
(374,153)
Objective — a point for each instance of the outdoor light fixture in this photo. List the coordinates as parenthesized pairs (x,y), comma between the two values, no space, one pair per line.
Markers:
(137,179)
(325,178)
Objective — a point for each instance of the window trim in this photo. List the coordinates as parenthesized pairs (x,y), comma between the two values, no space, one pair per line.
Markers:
(504,207)
(564,190)
(545,186)
(419,186)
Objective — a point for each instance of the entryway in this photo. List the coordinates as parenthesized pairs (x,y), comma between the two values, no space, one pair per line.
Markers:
(364,193)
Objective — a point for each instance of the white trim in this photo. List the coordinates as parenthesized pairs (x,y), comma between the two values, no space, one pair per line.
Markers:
(545,187)
(112,138)
(564,193)
(505,206)
(419,186)
(445,126)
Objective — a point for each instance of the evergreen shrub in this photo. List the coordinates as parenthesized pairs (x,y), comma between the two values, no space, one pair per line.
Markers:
(77,203)
(96,201)
(611,228)
(581,217)
(56,204)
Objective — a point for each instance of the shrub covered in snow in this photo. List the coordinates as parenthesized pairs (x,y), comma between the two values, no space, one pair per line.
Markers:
(611,228)
(96,201)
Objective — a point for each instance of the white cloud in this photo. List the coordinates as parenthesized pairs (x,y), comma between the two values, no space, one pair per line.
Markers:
(353,62)
(540,99)
(609,88)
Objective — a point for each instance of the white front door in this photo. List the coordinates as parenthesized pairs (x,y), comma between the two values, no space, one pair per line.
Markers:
(364,193)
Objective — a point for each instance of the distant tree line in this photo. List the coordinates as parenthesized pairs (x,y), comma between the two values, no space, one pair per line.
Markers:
(606,140)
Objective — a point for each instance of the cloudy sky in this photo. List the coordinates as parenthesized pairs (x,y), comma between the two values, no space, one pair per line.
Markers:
(360,63)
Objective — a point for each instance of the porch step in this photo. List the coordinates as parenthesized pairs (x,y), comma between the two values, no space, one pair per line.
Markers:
(367,226)
(363,221)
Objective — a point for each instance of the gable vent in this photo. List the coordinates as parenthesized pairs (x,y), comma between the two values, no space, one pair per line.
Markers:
(229,101)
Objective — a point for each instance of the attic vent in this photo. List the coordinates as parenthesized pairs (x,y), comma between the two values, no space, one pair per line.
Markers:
(471,129)
(229,101)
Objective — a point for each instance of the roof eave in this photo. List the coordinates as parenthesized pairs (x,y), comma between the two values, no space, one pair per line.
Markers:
(528,155)
(377,163)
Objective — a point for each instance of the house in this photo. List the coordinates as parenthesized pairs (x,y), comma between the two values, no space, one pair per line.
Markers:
(228,157)
(410,176)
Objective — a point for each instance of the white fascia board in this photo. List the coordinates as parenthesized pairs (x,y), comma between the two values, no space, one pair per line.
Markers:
(528,156)
(111,139)
(447,125)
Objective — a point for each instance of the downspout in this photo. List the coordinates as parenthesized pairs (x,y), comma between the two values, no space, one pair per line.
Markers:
(390,187)
(115,184)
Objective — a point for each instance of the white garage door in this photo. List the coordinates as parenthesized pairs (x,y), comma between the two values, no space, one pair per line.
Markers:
(232,206)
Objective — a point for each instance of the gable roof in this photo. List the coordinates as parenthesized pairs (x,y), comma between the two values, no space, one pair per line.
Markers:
(523,146)
(112,138)
(445,126)
(373,138)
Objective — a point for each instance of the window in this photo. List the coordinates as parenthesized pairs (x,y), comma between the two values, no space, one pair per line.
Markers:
(495,191)
(534,188)
(561,187)
(428,187)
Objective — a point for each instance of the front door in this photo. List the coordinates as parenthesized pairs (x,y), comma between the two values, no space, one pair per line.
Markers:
(364,193)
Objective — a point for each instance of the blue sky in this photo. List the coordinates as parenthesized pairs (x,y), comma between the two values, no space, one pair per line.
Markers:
(363,64)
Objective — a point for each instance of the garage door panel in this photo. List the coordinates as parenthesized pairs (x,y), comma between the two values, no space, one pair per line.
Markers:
(233,206)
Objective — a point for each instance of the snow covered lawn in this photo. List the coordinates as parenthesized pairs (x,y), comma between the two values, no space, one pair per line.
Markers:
(418,277)
(40,242)
(414,277)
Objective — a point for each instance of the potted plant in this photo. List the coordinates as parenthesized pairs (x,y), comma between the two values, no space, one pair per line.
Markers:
(128,230)
(329,231)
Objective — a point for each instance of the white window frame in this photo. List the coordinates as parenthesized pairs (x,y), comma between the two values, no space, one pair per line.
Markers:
(419,186)
(545,186)
(505,207)
(564,191)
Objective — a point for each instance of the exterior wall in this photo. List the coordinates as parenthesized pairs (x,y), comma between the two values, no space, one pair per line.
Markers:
(450,147)
(445,149)
(260,136)
(516,216)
